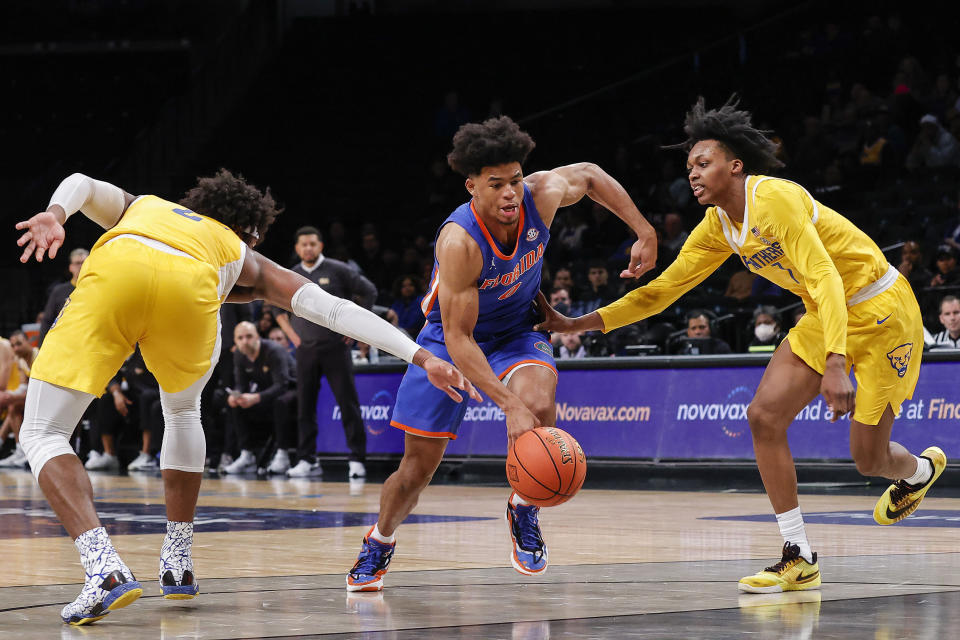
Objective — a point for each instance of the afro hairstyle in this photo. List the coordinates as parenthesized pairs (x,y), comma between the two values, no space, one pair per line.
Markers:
(493,142)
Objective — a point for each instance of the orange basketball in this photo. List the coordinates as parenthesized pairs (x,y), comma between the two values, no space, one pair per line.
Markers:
(546,466)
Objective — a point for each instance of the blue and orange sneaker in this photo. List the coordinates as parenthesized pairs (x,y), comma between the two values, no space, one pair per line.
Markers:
(372,563)
(529,555)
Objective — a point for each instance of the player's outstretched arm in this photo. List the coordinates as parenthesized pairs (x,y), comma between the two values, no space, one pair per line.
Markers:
(263,279)
(100,201)
(567,185)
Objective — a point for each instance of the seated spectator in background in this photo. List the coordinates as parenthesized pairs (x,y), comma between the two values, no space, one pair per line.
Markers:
(363,353)
(266,323)
(740,286)
(934,148)
(703,342)
(768,330)
(571,346)
(559,300)
(911,266)
(277,335)
(132,402)
(949,338)
(264,400)
(407,296)
(11,400)
(674,234)
(953,228)
(371,258)
(599,292)
(62,291)
(946,274)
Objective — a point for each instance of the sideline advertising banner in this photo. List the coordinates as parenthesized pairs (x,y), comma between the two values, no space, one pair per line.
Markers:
(665,413)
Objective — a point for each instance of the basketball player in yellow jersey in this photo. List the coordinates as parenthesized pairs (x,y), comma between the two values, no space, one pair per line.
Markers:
(860,312)
(157,277)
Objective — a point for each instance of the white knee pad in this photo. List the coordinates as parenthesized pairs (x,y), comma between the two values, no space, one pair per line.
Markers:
(184,445)
(50,414)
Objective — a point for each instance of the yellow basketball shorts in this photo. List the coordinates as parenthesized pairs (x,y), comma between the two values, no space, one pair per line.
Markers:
(127,293)
(884,346)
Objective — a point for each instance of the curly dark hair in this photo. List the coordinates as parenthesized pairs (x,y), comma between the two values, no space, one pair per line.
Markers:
(493,142)
(733,129)
(234,202)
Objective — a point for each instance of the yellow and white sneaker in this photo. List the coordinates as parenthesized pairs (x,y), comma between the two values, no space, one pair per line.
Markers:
(792,573)
(901,499)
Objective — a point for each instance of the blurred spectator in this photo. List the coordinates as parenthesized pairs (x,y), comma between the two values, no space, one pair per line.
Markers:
(674,235)
(699,339)
(570,236)
(266,323)
(946,273)
(12,400)
(571,346)
(949,338)
(911,266)
(934,148)
(264,399)
(768,330)
(741,285)
(449,116)
(132,401)
(813,151)
(277,335)
(321,352)
(407,296)
(563,279)
(953,228)
(60,292)
(599,292)
(560,300)
(371,259)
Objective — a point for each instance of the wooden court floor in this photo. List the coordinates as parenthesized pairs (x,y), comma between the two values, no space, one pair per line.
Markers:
(271,556)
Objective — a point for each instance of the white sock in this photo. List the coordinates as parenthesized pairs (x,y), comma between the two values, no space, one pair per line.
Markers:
(923,473)
(379,537)
(791,528)
(517,501)
(176,552)
(97,554)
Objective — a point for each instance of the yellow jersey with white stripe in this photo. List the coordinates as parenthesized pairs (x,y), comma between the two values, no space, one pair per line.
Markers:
(788,238)
(176,226)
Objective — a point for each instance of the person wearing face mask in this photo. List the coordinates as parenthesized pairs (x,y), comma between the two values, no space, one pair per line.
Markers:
(767,330)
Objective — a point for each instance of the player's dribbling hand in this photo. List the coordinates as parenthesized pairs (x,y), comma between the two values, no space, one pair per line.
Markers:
(519,421)
(836,387)
(44,234)
(643,257)
(448,378)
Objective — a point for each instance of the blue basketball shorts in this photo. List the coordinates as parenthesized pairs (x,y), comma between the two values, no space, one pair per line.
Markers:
(424,410)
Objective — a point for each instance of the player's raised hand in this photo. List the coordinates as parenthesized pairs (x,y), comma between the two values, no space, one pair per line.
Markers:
(44,235)
(448,378)
(643,257)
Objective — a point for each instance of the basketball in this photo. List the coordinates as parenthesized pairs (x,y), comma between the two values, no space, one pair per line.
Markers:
(546,466)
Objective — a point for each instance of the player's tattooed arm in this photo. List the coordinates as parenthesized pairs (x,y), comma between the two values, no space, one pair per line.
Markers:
(567,185)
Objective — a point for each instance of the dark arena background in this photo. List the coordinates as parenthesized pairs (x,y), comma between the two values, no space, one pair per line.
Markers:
(346,110)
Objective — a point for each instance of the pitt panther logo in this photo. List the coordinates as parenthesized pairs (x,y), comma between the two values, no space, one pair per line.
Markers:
(900,358)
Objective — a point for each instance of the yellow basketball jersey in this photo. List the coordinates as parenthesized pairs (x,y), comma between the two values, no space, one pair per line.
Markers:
(14,380)
(201,237)
(788,238)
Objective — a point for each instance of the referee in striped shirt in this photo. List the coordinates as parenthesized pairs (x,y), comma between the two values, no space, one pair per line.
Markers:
(949,338)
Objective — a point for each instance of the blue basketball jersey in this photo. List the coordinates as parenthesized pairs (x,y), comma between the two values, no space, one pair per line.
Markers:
(508,283)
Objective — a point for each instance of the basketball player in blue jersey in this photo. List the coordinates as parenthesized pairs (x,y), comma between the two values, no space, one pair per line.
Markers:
(157,277)
(480,315)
